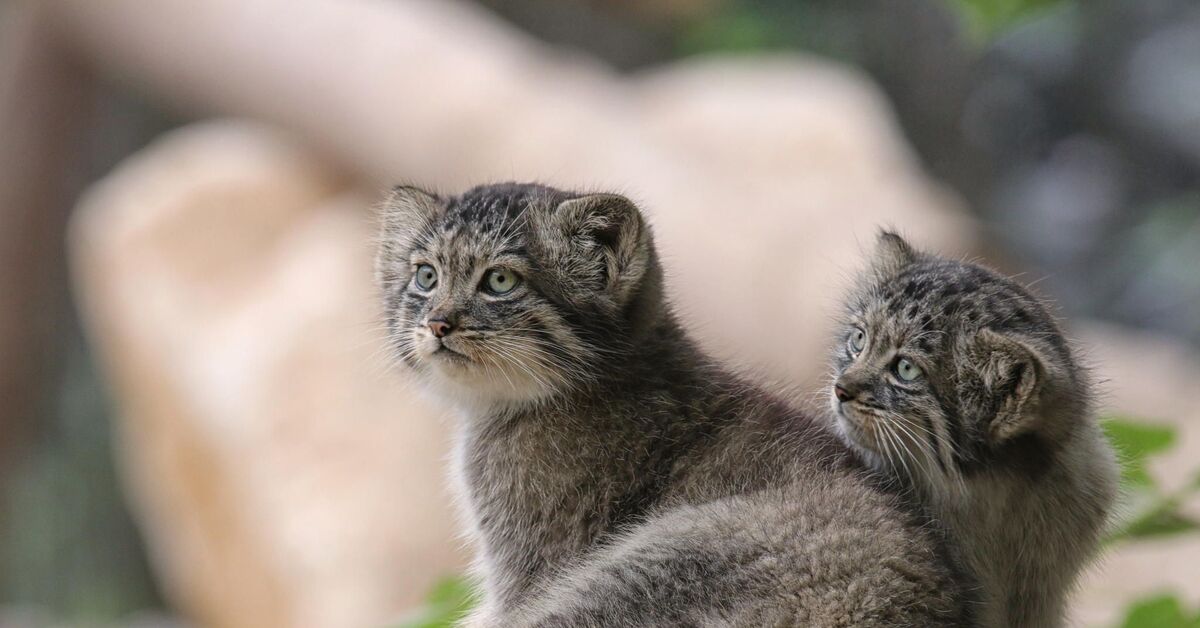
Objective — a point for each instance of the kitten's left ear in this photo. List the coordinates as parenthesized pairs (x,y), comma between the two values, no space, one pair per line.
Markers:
(892,253)
(1014,373)
(613,224)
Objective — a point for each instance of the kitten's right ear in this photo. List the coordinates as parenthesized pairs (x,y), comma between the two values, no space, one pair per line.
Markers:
(892,253)
(406,210)
(1015,374)
(614,223)
(402,214)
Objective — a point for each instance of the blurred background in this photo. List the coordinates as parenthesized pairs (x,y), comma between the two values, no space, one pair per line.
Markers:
(197,427)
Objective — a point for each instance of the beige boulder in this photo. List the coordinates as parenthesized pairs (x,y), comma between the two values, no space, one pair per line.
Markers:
(280,475)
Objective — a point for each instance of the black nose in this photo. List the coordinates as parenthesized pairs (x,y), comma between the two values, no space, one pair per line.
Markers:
(843,395)
(440,327)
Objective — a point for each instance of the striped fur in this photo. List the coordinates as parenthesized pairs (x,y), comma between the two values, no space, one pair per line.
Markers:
(996,433)
(614,475)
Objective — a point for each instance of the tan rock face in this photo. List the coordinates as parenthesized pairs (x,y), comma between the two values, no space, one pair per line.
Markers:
(281,475)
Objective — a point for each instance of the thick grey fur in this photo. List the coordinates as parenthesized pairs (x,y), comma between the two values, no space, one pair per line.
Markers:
(611,473)
(996,435)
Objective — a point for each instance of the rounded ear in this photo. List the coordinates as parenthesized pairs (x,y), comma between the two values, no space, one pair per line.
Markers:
(407,209)
(613,225)
(892,253)
(402,215)
(1014,374)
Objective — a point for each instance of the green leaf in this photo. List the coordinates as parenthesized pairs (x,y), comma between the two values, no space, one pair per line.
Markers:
(1135,442)
(448,601)
(1162,611)
(734,29)
(450,591)
(1164,521)
(1138,438)
(986,18)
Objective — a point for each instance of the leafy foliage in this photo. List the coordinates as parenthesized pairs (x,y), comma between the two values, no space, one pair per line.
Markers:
(1153,512)
(450,599)
(1161,611)
(986,18)
(1136,442)
(734,29)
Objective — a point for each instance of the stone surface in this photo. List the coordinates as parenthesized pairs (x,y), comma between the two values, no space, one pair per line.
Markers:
(281,476)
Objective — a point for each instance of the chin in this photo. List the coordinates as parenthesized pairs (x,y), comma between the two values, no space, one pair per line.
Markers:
(478,388)
(857,438)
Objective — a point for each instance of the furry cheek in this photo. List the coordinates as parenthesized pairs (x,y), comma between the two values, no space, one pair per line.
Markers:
(856,427)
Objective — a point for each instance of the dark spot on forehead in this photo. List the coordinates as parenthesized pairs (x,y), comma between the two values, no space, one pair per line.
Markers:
(914,286)
(1019,317)
(945,296)
(949,290)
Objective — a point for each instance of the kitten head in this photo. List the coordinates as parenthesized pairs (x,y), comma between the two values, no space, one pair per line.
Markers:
(944,368)
(511,293)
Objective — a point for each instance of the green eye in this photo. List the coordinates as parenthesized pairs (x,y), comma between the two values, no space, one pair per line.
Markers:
(425,277)
(906,370)
(858,340)
(500,281)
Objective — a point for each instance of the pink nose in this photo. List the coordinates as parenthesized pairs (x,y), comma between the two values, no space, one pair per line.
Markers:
(440,328)
(843,395)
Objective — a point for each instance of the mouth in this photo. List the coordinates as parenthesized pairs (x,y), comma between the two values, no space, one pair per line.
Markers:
(446,353)
(840,408)
(854,422)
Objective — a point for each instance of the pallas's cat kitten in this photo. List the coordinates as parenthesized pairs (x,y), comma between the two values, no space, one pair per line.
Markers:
(613,474)
(959,382)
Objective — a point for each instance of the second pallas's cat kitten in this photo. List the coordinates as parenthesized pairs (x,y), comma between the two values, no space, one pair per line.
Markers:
(958,381)
(614,475)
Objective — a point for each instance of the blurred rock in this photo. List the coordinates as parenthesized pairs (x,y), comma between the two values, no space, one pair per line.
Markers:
(776,186)
(280,477)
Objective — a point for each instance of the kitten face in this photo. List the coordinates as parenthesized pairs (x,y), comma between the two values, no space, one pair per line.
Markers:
(501,294)
(941,364)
